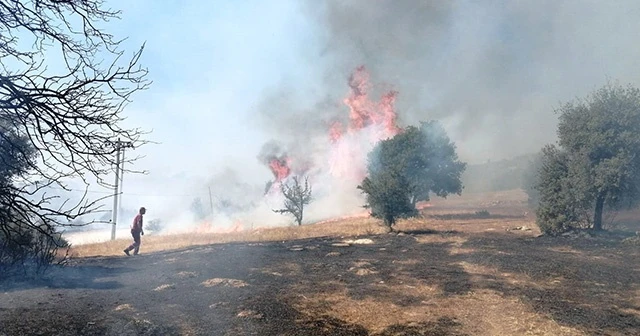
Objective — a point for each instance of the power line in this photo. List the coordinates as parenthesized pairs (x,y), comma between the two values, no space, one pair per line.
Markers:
(204,192)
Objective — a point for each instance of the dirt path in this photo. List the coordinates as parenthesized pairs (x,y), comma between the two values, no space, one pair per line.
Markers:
(414,284)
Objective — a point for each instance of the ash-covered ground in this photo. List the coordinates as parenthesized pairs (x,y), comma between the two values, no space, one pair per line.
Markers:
(468,278)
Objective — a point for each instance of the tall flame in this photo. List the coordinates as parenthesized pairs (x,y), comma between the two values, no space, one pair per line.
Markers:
(280,168)
(368,123)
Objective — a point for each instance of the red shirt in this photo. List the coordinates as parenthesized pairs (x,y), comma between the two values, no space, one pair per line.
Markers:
(137,223)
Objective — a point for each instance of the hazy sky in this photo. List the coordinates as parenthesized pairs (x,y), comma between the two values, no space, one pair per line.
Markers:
(211,63)
(231,75)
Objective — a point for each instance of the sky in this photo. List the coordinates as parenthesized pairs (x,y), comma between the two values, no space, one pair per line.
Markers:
(228,76)
(210,63)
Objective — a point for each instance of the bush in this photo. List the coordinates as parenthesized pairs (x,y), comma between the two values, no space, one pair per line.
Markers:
(155,225)
(28,251)
(482,214)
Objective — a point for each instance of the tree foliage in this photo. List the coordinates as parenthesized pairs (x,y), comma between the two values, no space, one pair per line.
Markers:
(198,209)
(557,209)
(530,178)
(387,196)
(597,163)
(296,195)
(27,244)
(407,168)
(63,85)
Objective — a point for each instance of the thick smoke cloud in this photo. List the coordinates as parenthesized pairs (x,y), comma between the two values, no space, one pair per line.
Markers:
(492,71)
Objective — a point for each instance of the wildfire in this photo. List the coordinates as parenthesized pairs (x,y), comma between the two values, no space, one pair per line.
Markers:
(363,112)
(210,227)
(280,168)
(368,122)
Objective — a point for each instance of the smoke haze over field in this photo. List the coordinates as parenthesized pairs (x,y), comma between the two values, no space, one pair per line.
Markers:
(230,78)
(493,71)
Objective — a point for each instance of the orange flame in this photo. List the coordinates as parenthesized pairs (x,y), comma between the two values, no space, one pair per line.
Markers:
(280,168)
(369,122)
(210,227)
(349,158)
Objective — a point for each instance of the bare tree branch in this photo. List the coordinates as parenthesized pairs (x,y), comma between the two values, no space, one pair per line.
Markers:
(296,197)
(59,122)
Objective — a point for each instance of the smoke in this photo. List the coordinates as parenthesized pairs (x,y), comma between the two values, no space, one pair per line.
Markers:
(491,71)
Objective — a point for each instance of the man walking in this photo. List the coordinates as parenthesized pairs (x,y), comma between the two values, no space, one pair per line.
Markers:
(136,231)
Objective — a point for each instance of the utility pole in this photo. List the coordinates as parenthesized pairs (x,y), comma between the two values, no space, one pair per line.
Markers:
(120,145)
(210,202)
(122,163)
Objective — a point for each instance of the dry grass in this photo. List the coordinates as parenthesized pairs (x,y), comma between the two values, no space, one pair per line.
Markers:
(224,282)
(154,243)
(164,287)
(509,203)
(347,227)
(457,275)
(482,312)
(339,228)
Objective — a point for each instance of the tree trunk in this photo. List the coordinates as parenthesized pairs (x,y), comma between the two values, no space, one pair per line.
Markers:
(597,216)
(388,222)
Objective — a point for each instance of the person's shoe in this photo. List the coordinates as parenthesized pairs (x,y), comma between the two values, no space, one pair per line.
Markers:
(127,252)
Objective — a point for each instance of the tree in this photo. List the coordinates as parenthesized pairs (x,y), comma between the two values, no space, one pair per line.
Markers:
(558,206)
(407,168)
(599,141)
(198,210)
(387,196)
(26,244)
(530,178)
(296,197)
(63,85)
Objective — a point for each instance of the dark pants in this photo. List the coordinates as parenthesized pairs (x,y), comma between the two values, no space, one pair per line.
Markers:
(136,242)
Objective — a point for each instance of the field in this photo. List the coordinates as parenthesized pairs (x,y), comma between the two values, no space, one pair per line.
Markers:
(474,265)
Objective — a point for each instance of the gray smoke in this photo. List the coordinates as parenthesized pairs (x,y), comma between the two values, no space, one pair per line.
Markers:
(492,71)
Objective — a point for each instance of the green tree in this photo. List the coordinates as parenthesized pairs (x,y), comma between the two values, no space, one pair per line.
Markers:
(387,196)
(558,206)
(599,145)
(530,178)
(296,195)
(407,168)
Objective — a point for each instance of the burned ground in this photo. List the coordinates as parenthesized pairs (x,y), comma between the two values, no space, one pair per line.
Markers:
(463,279)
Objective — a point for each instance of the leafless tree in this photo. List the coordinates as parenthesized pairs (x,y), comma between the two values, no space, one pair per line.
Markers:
(296,197)
(63,85)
